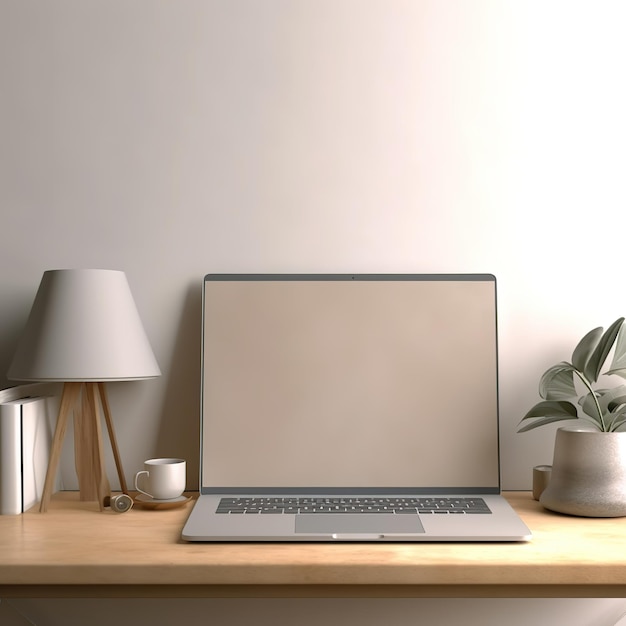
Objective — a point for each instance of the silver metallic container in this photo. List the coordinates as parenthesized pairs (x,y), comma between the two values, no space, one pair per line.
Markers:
(588,474)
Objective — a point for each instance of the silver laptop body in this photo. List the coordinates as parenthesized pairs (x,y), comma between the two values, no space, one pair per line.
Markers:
(341,407)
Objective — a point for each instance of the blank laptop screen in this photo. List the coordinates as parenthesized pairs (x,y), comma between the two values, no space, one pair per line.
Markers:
(349,382)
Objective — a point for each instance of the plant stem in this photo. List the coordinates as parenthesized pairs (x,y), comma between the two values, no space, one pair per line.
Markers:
(595,398)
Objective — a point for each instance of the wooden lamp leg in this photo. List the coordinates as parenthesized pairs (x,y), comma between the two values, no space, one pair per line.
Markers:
(87,447)
(109,422)
(89,456)
(69,397)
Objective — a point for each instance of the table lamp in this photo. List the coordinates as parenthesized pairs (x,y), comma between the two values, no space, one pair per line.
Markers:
(84,330)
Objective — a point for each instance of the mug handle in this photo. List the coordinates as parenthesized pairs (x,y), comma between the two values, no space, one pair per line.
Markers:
(137,487)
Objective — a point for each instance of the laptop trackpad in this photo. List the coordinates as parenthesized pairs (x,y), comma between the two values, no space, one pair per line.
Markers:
(380,523)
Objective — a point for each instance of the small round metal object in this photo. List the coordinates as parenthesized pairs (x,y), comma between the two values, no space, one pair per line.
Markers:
(121,503)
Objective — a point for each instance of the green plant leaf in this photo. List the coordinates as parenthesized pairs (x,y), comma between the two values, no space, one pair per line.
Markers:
(617,372)
(584,349)
(594,365)
(608,400)
(557,383)
(615,421)
(589,406)
(542,421)
(615,403)
(617,424)
(618,364)
(560,409)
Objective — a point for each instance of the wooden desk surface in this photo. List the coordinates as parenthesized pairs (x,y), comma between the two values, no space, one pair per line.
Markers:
(76,551)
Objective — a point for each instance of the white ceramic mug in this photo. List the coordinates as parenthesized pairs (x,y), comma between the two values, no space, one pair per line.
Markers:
(164,479)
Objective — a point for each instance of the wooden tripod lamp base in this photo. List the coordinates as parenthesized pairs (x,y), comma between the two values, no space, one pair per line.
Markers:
(85,399)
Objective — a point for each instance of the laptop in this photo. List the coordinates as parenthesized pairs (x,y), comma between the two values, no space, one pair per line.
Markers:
(350,407)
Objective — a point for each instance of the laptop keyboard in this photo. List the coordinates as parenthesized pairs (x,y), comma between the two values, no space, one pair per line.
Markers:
(400,506)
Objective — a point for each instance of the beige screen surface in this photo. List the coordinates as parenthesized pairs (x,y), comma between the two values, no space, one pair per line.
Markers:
(349,383)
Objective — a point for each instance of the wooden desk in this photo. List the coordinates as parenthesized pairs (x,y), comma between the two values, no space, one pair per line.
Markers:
(76,551)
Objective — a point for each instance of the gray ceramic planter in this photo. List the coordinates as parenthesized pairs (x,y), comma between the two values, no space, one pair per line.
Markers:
(588,474)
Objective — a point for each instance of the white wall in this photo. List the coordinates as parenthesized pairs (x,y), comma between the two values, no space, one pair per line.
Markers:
(172,139)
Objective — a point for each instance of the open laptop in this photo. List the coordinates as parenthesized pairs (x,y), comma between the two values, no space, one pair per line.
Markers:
(350,408)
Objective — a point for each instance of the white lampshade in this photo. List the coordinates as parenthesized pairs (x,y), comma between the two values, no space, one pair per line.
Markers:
(84,326)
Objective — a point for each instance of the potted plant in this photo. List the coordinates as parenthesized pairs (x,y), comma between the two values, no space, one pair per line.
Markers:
(589,466)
